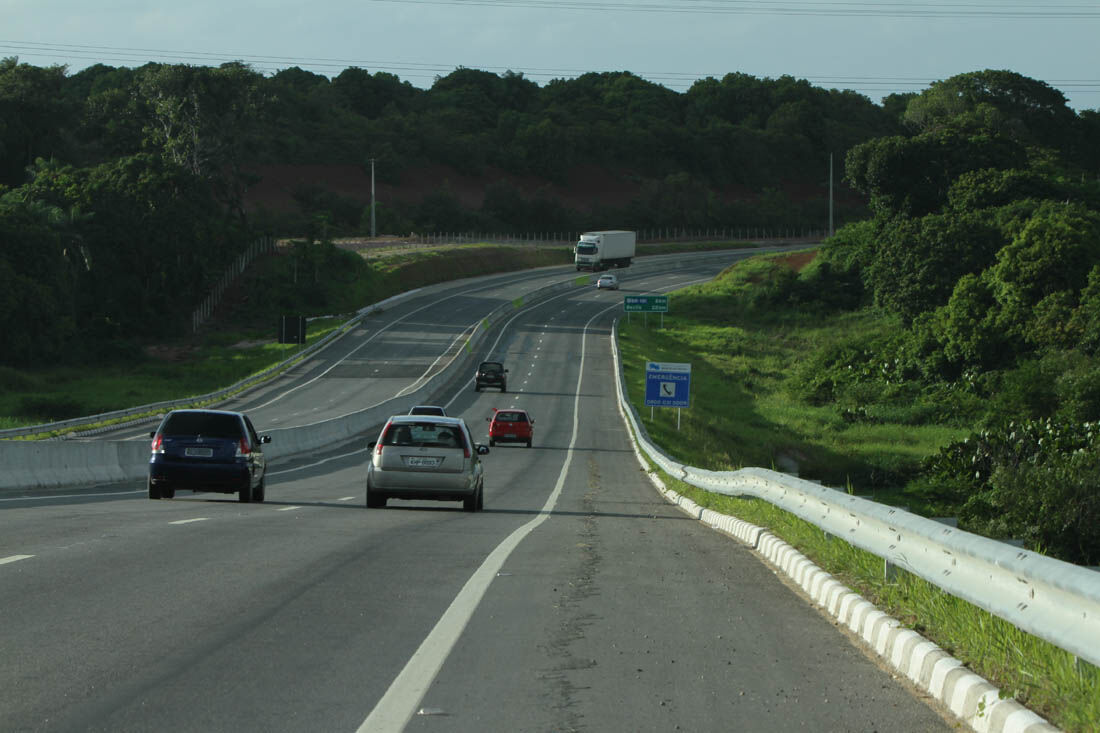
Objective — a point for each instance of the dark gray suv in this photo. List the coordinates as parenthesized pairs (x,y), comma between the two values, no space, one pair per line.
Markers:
(491,374)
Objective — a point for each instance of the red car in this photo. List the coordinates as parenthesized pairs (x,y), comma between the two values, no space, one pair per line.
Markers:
(510,426)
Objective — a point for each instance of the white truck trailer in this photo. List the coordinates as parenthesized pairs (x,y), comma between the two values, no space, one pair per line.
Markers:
(600,250)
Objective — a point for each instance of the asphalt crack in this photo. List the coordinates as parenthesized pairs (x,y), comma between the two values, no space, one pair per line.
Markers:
(574,618)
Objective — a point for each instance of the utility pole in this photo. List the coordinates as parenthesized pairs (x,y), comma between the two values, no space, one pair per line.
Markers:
(372,198)
(830,194)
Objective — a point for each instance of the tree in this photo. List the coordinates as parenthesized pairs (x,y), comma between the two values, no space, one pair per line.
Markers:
(201,119)
(1048,260)
(33,115)
(36,307)
(912,176)
(918,261)
(999,102)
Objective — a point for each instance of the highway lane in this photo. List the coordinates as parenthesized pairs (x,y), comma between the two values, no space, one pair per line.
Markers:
(391,352)
(614,612)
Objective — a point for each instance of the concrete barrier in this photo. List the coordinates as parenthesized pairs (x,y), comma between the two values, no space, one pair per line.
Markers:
(29,465)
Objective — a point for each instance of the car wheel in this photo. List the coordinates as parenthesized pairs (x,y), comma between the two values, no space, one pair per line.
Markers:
(504,388)
(168,493)
(259,491)
(480,497)
(473,503)
(528,442)
(374,500)
(154,492)
(477,387)
(245,494)
(492,443)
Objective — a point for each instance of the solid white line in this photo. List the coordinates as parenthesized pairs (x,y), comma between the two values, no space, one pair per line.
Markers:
(376,334)
(396,708)
(14,558)
(188,521)
(347,498)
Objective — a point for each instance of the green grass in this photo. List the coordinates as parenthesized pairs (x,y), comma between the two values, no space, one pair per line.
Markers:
(181,371)
(240,342)
(745,368)
(746,413)
(1037,674)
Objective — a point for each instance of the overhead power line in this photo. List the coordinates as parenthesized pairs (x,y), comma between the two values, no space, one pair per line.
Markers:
(407,70)
(1002,10)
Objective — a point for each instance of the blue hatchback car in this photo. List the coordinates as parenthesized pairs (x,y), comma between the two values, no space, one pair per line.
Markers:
(207,450)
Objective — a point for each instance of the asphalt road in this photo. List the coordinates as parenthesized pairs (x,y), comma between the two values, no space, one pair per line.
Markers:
(577,601)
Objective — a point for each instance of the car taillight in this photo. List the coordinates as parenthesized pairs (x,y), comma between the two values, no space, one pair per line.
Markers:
(382,439)
(158,444)
(243,448)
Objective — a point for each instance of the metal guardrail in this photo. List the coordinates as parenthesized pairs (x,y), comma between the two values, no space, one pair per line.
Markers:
(1054,600)
(202,313)
(150,412)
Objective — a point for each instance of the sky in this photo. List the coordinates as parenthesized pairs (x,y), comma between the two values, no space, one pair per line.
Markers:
(873,47)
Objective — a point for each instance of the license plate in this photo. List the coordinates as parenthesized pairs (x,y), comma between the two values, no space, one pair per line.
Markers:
(421,461)
(509,435)
(198,452)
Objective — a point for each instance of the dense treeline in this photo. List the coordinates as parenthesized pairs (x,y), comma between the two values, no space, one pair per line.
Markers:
(985,245)
(122,191)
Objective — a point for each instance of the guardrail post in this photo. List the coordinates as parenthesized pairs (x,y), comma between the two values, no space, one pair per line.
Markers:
(889,571)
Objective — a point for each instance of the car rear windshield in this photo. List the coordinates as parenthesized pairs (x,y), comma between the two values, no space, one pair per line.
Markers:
(511,417)
(425,435)
(209,424)
(491,366)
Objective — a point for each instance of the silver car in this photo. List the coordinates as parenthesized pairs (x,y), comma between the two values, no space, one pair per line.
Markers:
(426,457)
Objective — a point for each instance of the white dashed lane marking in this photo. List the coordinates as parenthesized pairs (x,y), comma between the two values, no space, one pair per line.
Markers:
(188,521)
(287,508)
(14,558)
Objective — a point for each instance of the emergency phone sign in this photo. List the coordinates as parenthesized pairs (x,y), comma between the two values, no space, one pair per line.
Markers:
(667,384)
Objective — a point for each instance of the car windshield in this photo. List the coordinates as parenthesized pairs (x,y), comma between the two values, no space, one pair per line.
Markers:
(209,424)
(585,248)
(424,434)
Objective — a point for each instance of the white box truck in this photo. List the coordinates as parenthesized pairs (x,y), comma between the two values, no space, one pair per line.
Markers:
(600,250)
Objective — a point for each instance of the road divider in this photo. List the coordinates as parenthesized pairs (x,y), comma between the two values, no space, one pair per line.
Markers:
(29,465)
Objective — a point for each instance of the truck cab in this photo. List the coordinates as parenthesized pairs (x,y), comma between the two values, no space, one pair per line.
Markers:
(601,250)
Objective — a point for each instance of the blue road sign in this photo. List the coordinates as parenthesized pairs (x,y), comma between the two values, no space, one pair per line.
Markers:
(667,384)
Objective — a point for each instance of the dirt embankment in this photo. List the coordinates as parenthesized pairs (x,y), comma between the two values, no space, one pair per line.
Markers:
(585,186)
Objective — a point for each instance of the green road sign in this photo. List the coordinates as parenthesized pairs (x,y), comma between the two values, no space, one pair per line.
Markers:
(645,303)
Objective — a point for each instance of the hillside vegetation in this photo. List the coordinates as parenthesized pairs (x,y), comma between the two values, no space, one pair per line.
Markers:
(950,345)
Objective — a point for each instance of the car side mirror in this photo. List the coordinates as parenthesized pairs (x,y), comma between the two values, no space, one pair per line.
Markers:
(482,449)
(265,438)
(152,433)
(488,419)
(372,444)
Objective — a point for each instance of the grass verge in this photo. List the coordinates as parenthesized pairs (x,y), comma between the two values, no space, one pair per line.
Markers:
(1037,674)
(746,413)
(240,342)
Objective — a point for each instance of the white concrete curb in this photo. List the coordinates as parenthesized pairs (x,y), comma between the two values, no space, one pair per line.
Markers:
(971,698)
